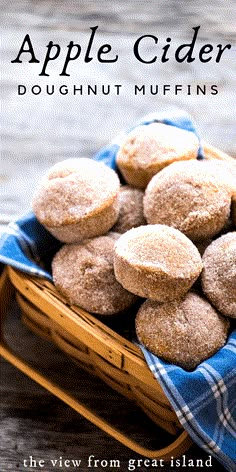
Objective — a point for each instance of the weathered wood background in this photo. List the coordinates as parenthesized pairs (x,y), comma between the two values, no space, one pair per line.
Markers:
(40,130)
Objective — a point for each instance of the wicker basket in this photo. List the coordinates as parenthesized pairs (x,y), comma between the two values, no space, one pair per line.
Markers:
(95,347)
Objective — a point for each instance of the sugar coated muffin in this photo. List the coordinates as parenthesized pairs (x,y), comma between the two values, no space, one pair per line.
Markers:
(234,210)
(183,332)
(131,209)
(77,199)
(219,274)
(225,171)
(84,274)
(147,149)
(188,197)
(157,262)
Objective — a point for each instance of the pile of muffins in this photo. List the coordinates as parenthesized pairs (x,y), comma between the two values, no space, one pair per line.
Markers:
(167,239)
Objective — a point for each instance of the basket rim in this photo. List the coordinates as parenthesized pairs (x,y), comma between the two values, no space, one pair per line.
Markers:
(47,286)
(117,350)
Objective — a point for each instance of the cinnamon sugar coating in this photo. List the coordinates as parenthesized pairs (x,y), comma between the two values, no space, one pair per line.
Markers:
(77,199)
(234,210)
(131,209)
(188,197)
(148,149)
(84,274)
(225,171)
(183,332)
(156,262)
(219,274)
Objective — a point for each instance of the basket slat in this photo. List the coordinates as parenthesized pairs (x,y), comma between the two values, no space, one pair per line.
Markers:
(119,352)
(125,377)
(176,448)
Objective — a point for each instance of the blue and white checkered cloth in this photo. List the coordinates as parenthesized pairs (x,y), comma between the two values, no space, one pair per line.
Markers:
(204,399)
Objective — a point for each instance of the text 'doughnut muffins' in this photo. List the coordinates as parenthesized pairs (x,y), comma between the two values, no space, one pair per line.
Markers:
(184,332)
(148,149)
(131,209)
(84,274)
(77,199)
(219,274)
(188,197)
(156,262)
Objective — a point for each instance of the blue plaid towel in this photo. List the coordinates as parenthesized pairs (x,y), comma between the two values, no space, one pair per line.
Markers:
(204,399)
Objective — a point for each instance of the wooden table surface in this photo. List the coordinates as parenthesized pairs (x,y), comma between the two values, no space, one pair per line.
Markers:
(40,130)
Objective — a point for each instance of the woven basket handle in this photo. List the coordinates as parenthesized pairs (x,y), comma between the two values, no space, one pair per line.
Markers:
(176,448)
(211,152)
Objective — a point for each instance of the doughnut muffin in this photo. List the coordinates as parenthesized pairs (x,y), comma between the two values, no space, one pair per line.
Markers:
(183,332)
(131,209)
(156,262)
(225,171)
(188,197)
(148,149)
(84,274)
(219,274)
(77,199)
(234,210)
